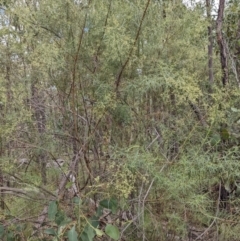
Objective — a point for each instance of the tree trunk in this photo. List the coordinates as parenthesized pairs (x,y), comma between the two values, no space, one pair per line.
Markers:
(38,104)
(210,42)
(221,43)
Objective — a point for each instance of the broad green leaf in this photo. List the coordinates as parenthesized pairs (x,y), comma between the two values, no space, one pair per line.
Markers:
(88,233)
(1,231)
(112,231)
(52,210)
(50,231)
(94,221)
(60,217)
(72,234)
(65,221)
(109,204)
(84,237)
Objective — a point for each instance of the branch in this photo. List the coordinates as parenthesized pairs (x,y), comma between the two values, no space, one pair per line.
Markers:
(131,51)
(198,113)
(12,190)
(51,31)
(63,182)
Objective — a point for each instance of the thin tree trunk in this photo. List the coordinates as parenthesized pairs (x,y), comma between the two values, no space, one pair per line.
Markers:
(40,117)
(238,51)
(221,43)
(210,43)
(9,104)
(1,176)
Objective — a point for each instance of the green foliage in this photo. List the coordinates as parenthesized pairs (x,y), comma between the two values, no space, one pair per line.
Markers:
(123,87)
(67,227)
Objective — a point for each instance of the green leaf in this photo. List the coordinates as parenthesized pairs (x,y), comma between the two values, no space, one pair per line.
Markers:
(84,237)
(50,231)
(1,231)
(112,231)
(60,217)
(72,234)
(52,210)
(99,232)
(94,221)
(88,233)
(109,204)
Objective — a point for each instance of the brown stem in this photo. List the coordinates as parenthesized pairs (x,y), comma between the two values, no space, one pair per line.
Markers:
(198,113)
